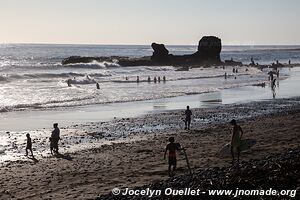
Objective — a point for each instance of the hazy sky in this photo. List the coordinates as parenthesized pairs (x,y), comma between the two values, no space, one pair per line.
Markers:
(145,21)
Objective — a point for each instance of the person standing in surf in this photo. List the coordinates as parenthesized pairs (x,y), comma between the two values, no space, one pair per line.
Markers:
(236,138)
(172,148)
(188,114)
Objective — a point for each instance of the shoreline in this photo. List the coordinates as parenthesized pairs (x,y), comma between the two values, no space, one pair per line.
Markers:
(39,119)
(90,172)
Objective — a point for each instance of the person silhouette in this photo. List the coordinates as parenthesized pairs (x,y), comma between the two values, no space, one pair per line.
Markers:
(188,114)
(28,145)
(236,138)
(172,147)
(55,137)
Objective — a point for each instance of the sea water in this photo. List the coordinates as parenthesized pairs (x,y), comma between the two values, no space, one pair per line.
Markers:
(32,77)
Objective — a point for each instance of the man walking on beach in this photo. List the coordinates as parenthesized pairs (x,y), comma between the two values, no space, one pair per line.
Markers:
(236,138)
(188,114)
(29,145)
(172,147)
(54,138)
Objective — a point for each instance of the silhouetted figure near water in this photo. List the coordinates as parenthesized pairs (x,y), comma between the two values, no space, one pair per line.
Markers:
(137,79)
(273,86)
(164,78)
(29,145)
(188,116)
(69,82)
(236,71)
(159,79)
(172,148)
(98,86)
(277,62)
(271,76)
(252,61)
(289,62)
(233,70)
(155,79)
(236,138)
(55,137)
(225,75)
(149,79)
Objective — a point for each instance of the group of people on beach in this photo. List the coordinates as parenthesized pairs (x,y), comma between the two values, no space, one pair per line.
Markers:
(54,139)
(172,147)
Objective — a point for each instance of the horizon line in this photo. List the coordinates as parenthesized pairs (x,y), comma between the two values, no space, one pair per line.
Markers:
(130,44)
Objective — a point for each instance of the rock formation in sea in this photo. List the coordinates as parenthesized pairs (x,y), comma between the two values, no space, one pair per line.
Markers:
(208,53)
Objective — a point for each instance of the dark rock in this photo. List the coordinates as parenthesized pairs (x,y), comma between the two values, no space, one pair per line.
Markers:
(209,49)
(233,63)
(208,53)
(160,52)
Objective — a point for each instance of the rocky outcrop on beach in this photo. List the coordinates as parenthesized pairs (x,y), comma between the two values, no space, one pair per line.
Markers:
(160,53)
(208,53)
(278,172)
(209,49)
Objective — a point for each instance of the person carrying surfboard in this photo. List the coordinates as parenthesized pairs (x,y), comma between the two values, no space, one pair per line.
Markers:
(236,138)
(172,148)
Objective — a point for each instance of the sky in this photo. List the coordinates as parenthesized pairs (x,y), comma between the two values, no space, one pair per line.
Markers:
(236,22)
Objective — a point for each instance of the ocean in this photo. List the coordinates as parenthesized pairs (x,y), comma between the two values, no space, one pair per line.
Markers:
(32,77)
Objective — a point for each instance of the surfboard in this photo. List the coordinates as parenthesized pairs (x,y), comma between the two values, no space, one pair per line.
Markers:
(187,161)
(246,144)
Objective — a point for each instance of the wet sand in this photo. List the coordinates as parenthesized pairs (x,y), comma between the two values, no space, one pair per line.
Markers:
(89,173)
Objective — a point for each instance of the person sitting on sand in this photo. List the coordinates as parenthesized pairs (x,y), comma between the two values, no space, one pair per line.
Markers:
(188,114)
(172,147)
(54,138)
(236,138)
(29,145)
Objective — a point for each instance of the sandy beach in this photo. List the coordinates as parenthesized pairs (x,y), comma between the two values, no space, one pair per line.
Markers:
(89,173)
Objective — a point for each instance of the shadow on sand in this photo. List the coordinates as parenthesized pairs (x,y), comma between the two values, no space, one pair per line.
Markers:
(63,156)
(34,159)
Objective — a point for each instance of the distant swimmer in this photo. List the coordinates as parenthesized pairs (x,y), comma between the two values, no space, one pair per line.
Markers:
(236,138)
(137,79)
(188,114)
(252,61)
(172,148)
(164,78)
(126,78)
(69,82)
(98,86)
(155,79)
(29,145)
(271,77)
(149,79)
(159,79)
